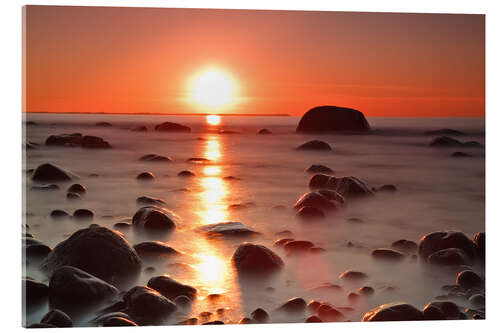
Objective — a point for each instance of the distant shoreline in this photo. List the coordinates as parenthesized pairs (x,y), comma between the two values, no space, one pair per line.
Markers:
(170,114)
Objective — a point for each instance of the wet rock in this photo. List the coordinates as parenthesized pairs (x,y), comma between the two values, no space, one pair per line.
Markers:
(329,119)
(316,200)
(34,248)
(155,158)
(313,306)
(440,240)
(351,275)
(83,214)
(314,145)
(122,225)
(297,246)
(405,246)
(318,168)
(198,160)
(264,131)
(445,141)
(58,214)
(433,313)
(186,173)
(328,313)
(318,181)
(252,258)
(145,176)
(387,254)
(449,257)
(353,297)
(50,173)
(34,291)
(313,319)
(349,187)
(73,196)
(468,279)
(449,309)
(69,285)
(459,154)
(156,248)
(282,241)
(444,131)
(147,306)
(96,250)
(367,291)
(77,188)
(139,129)
(183,301)
(103,124)
(310,213)
(171,288)
(387,188)
(477,301)
(480,242)
(328,287)
(295,304)
(284,233)
(172,127)
(57,318)
(106,315)
(150,201)
(227,229)
(260,315)
(332,195)
(118,322)
(393,312)
(67,140)
(94,142)
(153,218)
(47,187)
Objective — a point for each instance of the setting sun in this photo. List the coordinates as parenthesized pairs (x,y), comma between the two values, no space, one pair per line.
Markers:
(213,88)
(213,119)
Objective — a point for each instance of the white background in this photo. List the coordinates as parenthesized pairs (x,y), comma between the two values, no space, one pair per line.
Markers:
(10,154)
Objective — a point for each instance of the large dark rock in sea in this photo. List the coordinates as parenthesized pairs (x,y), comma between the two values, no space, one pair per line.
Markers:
(328,119)
(68,140)
(237,229)
(50,173)
(314,145)
(57,318)
(171,127)
(316,200)
(150,217)
(147,306)
(441,310)
(441,240)
(171,288)
(69,285)
(449,257)
(393,312)
(96,250)
(90,141)
(34,291)
(155,249)
(252,258)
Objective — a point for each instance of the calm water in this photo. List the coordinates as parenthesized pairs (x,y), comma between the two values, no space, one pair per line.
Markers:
(435,192)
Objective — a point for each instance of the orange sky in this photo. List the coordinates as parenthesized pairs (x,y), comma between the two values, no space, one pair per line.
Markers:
(130,60)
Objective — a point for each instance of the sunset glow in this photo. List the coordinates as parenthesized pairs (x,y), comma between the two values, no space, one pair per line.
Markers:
(213,119)
(212,89)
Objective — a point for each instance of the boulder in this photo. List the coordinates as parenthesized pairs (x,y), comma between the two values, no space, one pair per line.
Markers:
(77,188)
(50,173)
(393,312)
(332,195)
(449,257)
(186,173)
(260,315)
(171,288)
(318,168)
(34,248)
(118,322)
(83,214)
(155,158)
(297,246)
(139,129)
(387,254)
(154,249)
(264,131)
(198,160)
(70,286)
(349,187)
(449,309)
(172,127)
(145,176)
(151,217)
(445,141)
(34,291)
(295,304)
(147,306)
(352,275)
(74,139)
(480,242)
(313,319)
(227,229)
(58,214)
(252,258)
(328,313)
(57,318)
(94,142)
(328,119)
(150,201)
(96,250)
(405,246)
(314,145)
(319,181)
(73,196)
(316,200)
(468,279)
(367,291)
(477,301)
(310,213)
(441,240)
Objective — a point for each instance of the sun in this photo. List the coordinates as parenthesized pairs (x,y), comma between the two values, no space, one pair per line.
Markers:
(213,119)
(213,88)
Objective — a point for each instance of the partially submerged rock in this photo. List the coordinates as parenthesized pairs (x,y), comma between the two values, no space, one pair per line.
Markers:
(77,188)
(57,318)
(316,200)
(330,119)
(387,254)
(449,257)
(154,248)
(94,142)
(156,218)
(252,258)
(441,240)
(314,145)
(96,250)
(155,158)
(264,131)
(186,173)
(50,173)
(405,246)
(171,288)
(352,275)
(147,306)
(172,127)
(144,200)
(139,129)
(227,229)
(145,176)
(318,168)
(310,213)
(468,279)
(34,291)
(295,304)
(393,312)
(441,310)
